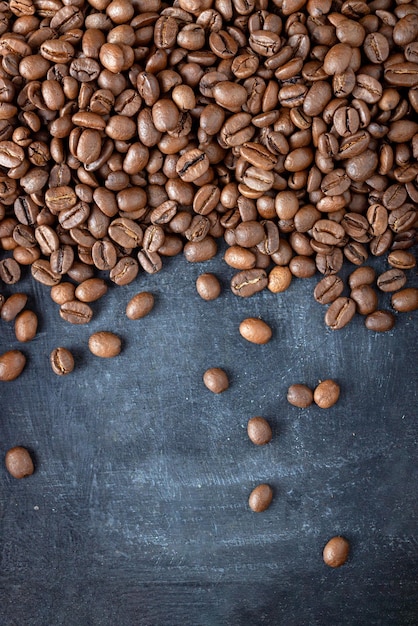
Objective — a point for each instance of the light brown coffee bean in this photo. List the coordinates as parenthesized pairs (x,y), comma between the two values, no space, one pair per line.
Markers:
(401,259)
(62,361)
(249,282)
(64,292)
(105,344)
(26,325)
(12,306)
(279,279)
(380,321)
(216,380)
(19,462)
(260,498)
(259,431)
(340,313)
(328,289)
(405,300)
(336,551)
(140,305)
(91,290)
(300,395)
(11,365)
(326,394)
(76,312)
(255,330)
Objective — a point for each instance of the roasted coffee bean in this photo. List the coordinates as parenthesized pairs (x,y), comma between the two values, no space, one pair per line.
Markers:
(76,312)
(254,330)
(26,325)
(340,313)
(249,282)
(362,276)
(10,272)
(208,286)
(392,280)
(12,364)
(125,271)
(192,165)
(13,306)
(260,498)
(91,290)
(405,300)
(380,321)
(328,289)
(365,298)
(140,305)
(401,259)
(300,395)
(42,272)
(64,292)
(279,279)
(62,361)
(216,380)
(105,344)
(199,251)
(336,551)
(19,462)
(259,431)
(326,393)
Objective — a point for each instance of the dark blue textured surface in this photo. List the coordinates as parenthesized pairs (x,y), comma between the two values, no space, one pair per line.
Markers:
(137,512)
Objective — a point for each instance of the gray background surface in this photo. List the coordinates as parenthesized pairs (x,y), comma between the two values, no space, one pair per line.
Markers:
(137,512)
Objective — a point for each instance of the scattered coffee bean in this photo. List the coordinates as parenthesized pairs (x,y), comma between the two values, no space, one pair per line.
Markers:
(216,380)
(340,313)
(62,361)
(336,551)
(380,321)
(208,286)
(19,462)
(140,305)
(11,365)
(26,325)
(255,330)
(326,394)
(12,306)
(260,498)
(105,344)
(259,431)
(300,395)
(405,300)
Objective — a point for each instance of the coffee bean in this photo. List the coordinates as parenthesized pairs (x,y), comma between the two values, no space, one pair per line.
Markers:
(208,286)
(26,325)
(328,289)
(91,290)
(362,276)
(365,298)
(336,552)
(259,431)
(216,380)
(300,395)
(105,344)
(340,313)
(76,312)
(13,306)
(11,365)
(255,330)
(279,279)
(380,321)
(62,361)
(19,462)
(260,498)
(64,292)
(401,260)
(326,394)
(140,305)
(249,282)
(392,280)
(405,300)
(10,271)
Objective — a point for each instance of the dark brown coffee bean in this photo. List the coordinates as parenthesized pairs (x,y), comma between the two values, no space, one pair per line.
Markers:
(192,164)
(340,313)
(362,276)
(13,306)
(10,272)
(19,462)
(405,300)
(62,361)
(216,380)
(104,255)
(326,394)
(260,498)
(365,298)
(254,330)
(105,344)
(150,261)
(199,251)
(300,395)
(392,280)
(380,321)
(259,431)
(26,325)
(140,305)
(125,271)
(336,552)
(328,289)
(249,282)
(208,286)
(401,259)
(76,312)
